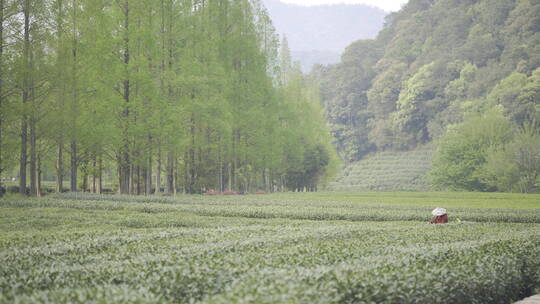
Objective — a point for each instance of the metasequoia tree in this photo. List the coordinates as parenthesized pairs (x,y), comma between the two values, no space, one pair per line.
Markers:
(178,95)
(2,3)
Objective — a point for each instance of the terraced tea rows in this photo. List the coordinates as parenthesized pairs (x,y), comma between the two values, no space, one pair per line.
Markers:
(388,171)
(261,250)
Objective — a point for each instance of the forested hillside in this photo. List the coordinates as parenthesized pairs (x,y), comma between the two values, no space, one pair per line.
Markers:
(154,95)
(320,33)
(459,72)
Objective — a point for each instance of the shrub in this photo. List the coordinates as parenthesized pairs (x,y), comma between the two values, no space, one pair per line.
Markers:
(515,167)
(463,151)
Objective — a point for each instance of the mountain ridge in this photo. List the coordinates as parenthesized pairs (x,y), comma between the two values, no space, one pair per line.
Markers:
(320,33)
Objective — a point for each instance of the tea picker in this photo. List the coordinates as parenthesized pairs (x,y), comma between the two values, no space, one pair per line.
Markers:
(441,217)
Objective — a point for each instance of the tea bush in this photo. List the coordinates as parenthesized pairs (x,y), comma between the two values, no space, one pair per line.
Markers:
(389,170)
(260,249)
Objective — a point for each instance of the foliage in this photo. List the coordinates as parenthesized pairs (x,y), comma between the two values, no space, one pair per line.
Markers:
(85,248)
(433,64)
(515,167)
(152,96)
(345,90)
(462,152)
(419,102)
(519,95)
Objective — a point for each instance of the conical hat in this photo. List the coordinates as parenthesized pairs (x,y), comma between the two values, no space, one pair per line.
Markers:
(438,211)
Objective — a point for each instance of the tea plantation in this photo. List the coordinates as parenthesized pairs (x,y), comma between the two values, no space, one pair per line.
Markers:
(282,248)
(389,170)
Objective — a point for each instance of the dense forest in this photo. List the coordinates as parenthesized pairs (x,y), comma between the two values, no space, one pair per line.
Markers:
(462,74)
(145,96)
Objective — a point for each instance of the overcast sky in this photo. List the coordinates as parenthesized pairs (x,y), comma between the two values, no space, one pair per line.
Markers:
(387,5)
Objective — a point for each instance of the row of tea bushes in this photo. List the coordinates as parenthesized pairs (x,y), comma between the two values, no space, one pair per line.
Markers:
(389,170)
(256,207)
(257,250)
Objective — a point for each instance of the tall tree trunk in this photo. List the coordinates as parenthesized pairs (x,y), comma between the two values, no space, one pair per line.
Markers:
(162,90)
(25,97)
(169,186)
(33,158)
(60,167)
(34,191)
(74,166)
(220,163)
(144,178)
(85,177)
(124,150)
(192,168)
(74,101)
(148,183)
(175,175)
(94,174)
(236,144)
(38,176)
(1,87)
(229,168)
(22,164)
(100,176)
(158,170)
(186,173)
(272,185)
(138,180)
(60,151)
(124,171)
(131,178)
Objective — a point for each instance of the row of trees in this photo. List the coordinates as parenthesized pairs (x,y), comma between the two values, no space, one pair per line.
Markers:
(154,95)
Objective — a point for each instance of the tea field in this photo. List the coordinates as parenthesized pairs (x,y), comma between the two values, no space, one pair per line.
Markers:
(334,247)
(388,171)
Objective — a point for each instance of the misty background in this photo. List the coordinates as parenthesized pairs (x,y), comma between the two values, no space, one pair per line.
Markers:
(319,34)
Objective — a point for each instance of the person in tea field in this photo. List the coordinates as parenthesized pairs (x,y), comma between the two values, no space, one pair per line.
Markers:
(441,217)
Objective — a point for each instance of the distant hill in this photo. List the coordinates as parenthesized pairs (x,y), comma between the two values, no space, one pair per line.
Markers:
(309,58)
(319,34)
(433,63)
(438,70)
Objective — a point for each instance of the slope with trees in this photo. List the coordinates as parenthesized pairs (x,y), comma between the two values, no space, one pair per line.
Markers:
(435,65)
